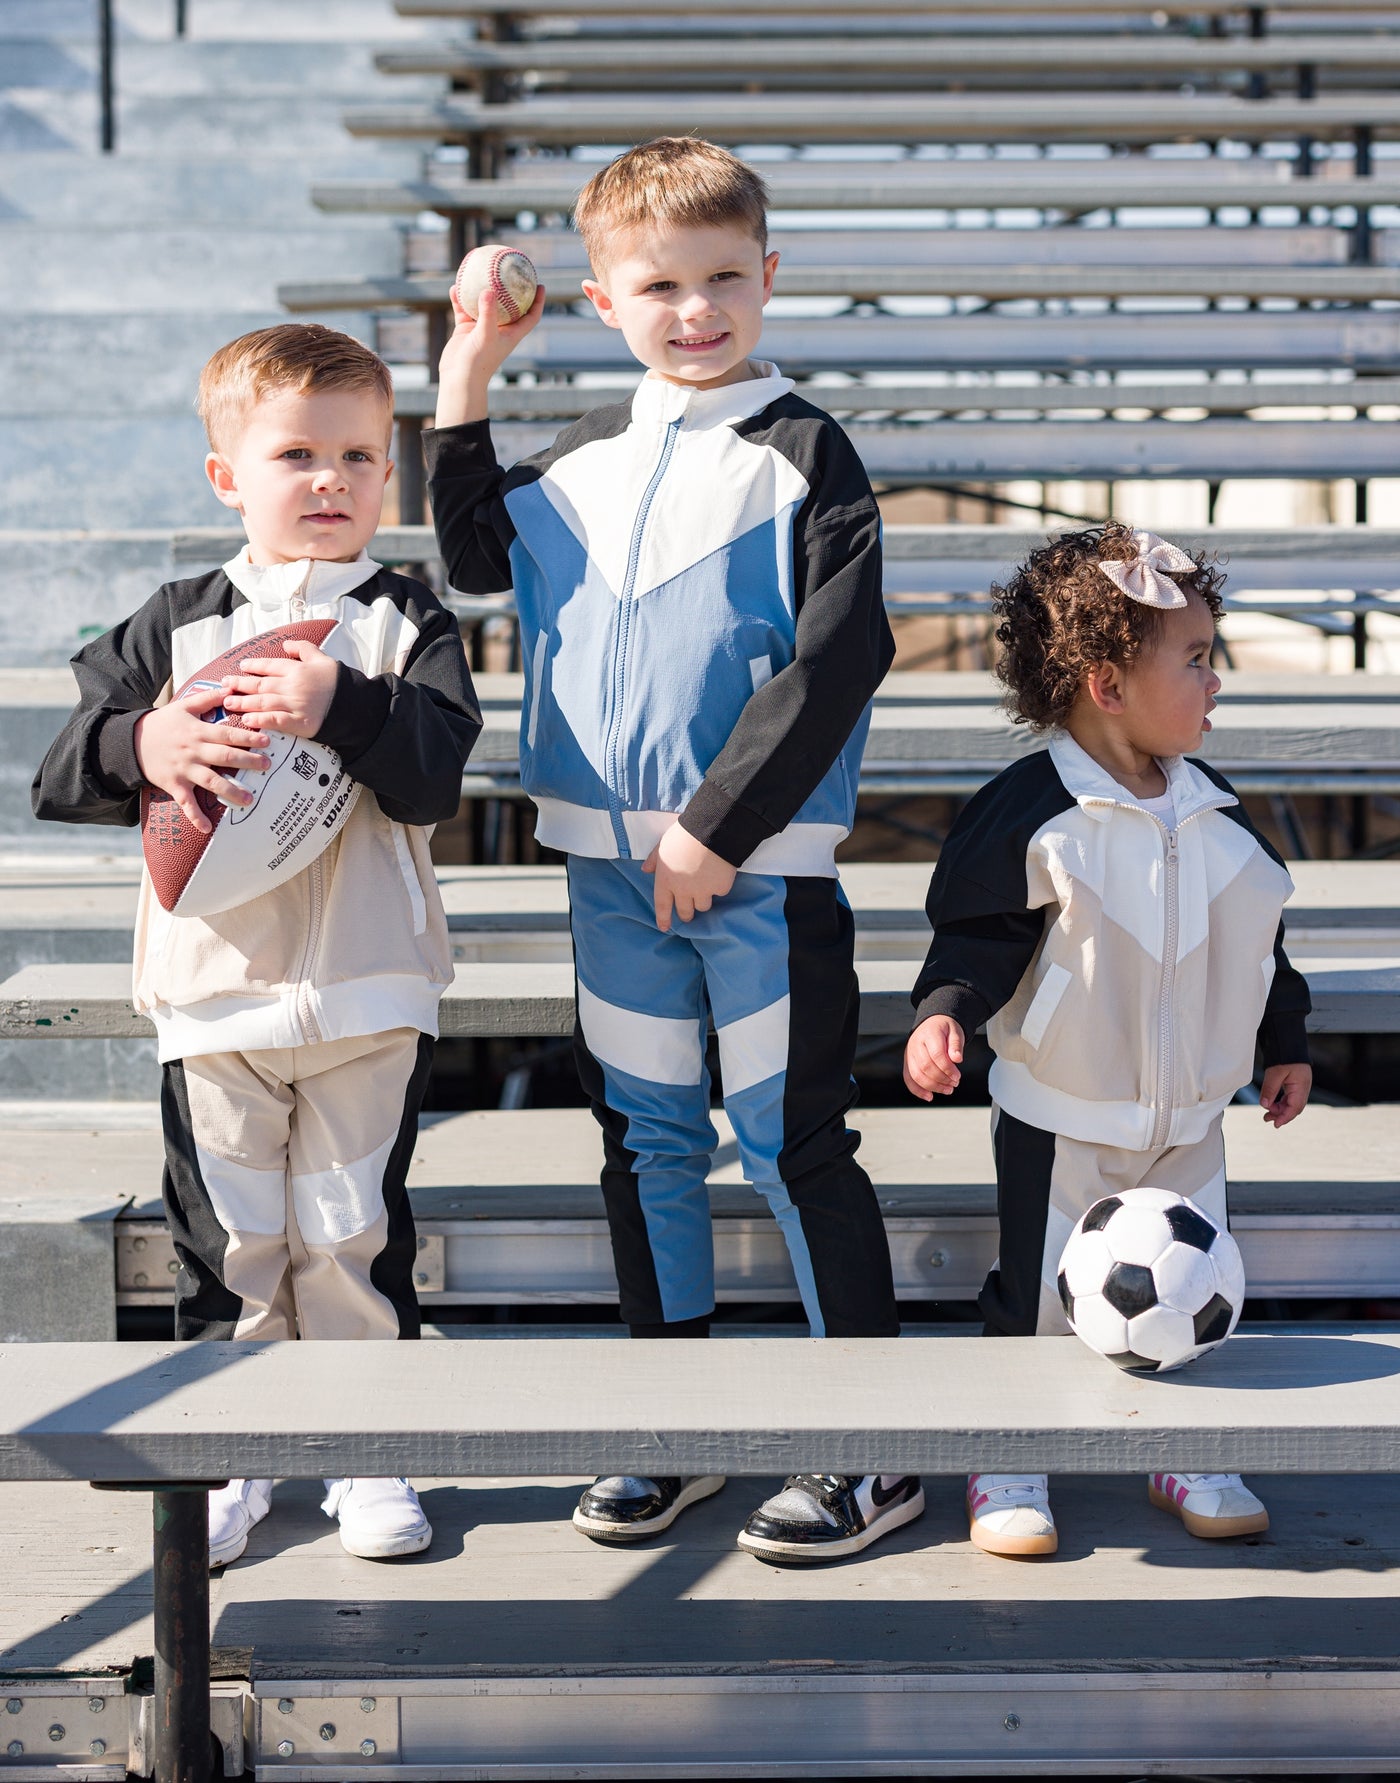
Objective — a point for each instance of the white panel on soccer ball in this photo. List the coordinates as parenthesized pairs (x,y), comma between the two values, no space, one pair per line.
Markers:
(1101,1326)
(1229,1269)
(1086,1261)
(1147,1196)
(1137,1235)
(1161,1334)
(1184,1277)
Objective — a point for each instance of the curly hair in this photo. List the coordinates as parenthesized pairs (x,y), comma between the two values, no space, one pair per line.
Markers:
(1059,616)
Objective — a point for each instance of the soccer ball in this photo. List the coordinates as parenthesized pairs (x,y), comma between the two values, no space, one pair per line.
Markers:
(1150,1281)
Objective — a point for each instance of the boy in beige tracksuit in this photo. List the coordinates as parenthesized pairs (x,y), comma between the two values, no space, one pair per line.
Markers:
(295,1031)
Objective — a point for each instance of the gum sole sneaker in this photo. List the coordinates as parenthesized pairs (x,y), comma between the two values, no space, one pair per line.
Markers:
(379,1519)
(1009,1513)
(1211,1505)
(233,1510)
(828,1516)
(625,1508)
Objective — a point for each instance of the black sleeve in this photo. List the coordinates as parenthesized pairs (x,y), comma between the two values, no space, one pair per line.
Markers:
(794,727)
(985,931)
(407,737)
(465,483)
(1283,1033)
(90,774)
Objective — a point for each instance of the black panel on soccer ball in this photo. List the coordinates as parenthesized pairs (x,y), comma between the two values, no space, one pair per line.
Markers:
(1100,1214)
(1190,1227)
(1132,1364)
(1066,1298)
(1129,1288)
(1212,1322)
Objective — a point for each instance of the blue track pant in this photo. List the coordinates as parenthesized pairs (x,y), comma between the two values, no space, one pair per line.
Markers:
(773,964)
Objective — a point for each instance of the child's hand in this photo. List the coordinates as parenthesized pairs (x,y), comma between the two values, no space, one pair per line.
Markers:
(177,751)
(293,697)
(689,876)
(1284,1092)
(476,350)
(932,1056)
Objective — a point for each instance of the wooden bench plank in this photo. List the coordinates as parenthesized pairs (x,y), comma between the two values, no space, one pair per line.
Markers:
(919,1405)
(1194,342)
(883,117)
(757,11)
(862,281)
(491,999)
(919,186)
(970,394)
(944,56)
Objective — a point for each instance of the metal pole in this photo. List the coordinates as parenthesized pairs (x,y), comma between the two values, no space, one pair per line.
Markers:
(182,17)
(105,57)
(181,1572)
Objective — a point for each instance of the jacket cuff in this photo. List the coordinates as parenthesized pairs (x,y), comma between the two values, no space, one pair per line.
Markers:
(358,711)
(116,764)
(731,830)
(1283,1040)
(960,1002)
(451,450)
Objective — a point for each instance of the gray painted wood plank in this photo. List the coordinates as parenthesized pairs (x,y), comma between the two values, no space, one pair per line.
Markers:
(542,1165)
(1019,10)
(945,55)
(509,1000)
(883,117)
(866,280)
(926,186)
(1280,1404)
(509,1585)
(1225,340)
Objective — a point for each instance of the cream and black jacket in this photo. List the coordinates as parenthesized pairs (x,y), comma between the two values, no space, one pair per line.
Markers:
(1125,968)
(357,943)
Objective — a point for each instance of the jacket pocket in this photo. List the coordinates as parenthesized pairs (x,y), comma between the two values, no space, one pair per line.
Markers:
(536,687)
(409,872)
(1044,1004)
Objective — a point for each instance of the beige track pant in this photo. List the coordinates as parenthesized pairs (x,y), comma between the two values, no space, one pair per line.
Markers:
(284,1188)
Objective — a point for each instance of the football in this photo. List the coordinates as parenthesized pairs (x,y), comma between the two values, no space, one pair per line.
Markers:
(299,804)
(1150,1281)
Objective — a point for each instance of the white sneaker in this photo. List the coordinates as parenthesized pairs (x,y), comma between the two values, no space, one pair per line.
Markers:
(1209,1504)
(1009,1513)
(379,1519)
(233,1510)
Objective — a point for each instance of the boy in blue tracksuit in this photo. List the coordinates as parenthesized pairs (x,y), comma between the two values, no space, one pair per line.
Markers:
(702,626)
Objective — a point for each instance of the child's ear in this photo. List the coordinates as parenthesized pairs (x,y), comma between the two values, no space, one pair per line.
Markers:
(770,266)
(222,480)
(1105,686)
(598,297)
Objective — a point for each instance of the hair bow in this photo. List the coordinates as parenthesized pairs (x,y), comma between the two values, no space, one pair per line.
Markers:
(1145,578)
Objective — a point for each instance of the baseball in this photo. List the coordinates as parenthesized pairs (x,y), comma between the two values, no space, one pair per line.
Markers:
(507,273)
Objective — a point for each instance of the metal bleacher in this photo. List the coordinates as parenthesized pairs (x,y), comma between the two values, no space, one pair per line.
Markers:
(1025,268)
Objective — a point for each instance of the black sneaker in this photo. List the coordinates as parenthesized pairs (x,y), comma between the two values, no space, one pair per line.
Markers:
(826,1516)
(622,1508)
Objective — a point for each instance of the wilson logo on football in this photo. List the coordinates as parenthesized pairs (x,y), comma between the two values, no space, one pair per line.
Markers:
(299,805)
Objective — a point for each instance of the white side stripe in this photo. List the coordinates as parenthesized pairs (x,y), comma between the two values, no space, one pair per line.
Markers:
(656,1048)
(754,1048)
(760,671)
(336,1204)
(536,682)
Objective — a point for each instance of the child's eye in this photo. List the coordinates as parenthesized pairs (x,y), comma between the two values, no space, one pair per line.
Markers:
(358,457)
(662,285)
(724,277)
(296,452)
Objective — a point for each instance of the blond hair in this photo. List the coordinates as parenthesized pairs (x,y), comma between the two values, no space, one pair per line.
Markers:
(673,182)
(299,357)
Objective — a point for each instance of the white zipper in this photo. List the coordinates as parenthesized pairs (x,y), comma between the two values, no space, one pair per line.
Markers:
(1161,1123)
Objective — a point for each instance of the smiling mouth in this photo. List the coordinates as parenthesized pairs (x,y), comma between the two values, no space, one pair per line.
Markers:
(333,515)
(698,343)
